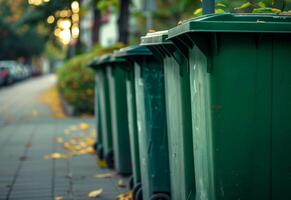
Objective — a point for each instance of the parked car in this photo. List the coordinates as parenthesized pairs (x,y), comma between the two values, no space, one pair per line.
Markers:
(4,74)
(7,73)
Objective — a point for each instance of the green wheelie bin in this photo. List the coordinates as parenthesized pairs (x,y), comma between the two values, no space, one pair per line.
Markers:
(104,111)
(130,54)
(119,119)
(178,111)
(152,127)
(97,109)
(241,104)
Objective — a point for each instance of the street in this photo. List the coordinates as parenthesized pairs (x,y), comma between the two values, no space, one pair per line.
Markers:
(28,132)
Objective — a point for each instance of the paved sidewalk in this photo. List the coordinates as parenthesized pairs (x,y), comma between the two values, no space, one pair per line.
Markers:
(27,133)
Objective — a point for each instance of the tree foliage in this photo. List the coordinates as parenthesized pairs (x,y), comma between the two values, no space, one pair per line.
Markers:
(251,6)
(23,28)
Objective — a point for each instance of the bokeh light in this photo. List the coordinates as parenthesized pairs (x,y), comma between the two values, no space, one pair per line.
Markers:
(64,23)
(75,6)
(37,2)
(65,36)
(51,19)
(75,31)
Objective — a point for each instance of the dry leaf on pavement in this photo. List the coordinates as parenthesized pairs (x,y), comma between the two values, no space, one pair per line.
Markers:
(34,113)
(121,183)
(59,140)
(95,193)
(101,163)
(125,196)
(84,126)
(67,131)
(55,156)
(106,175)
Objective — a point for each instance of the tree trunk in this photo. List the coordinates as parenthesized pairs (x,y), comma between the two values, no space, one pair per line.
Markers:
(96,23)
(123,21)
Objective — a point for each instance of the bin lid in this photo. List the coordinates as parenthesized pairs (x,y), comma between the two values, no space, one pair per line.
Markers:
(132,51)
(227,22)
(92,64)
(155,38)
(104,61)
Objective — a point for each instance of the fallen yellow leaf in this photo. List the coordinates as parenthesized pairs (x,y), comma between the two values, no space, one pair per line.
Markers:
(34,113)
(125,196)
(84,126)
(101,163)
(90,150)
(60,140)
(90,141)
(121,183)
(95,193)
(106,175)
(59,198)
(55,156)
(67,131)
(52,99)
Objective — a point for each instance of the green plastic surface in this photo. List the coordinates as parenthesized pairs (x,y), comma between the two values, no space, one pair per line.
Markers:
(178,110)
(97,109)
(132,122)
(116,87)
(153,140)
(98,115)
(103,90)
(155,38)
(119,118)
(132,51)
(226,22)
(127,53)
(241,110)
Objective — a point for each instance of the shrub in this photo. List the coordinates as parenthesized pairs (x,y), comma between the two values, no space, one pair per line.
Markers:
(76,80)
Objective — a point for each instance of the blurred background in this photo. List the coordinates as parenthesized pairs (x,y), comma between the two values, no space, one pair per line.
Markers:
(39,37)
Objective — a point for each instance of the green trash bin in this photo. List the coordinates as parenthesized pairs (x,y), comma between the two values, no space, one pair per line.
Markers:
(105,113)
(119,119)
(240,98)
(97,109)
(130,54)
(152,128)
(178,110)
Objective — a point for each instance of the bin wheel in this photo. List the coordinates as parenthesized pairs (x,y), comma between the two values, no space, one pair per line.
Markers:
(131,183)
(160,196)
(109,160)
(95,146)
(137,192)
(100,153)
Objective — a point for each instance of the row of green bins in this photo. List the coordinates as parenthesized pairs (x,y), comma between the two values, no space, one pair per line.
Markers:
(103,110)
(178,112)
(128,55)
(119,118)
(239,67)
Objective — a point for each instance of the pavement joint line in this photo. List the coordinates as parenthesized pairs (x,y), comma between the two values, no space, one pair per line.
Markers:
(53,163)
(20,164)
(70,178)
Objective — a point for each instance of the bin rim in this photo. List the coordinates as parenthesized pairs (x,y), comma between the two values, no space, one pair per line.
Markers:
(93,63)
(232,22)
(156,38)
(104,60)
(132,51)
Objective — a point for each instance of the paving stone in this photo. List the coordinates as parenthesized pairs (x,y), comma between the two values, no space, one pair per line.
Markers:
(25,139)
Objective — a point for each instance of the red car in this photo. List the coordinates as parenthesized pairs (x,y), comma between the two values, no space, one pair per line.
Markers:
(6,76)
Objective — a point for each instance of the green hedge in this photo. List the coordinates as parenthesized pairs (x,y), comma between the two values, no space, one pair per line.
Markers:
(76,81)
